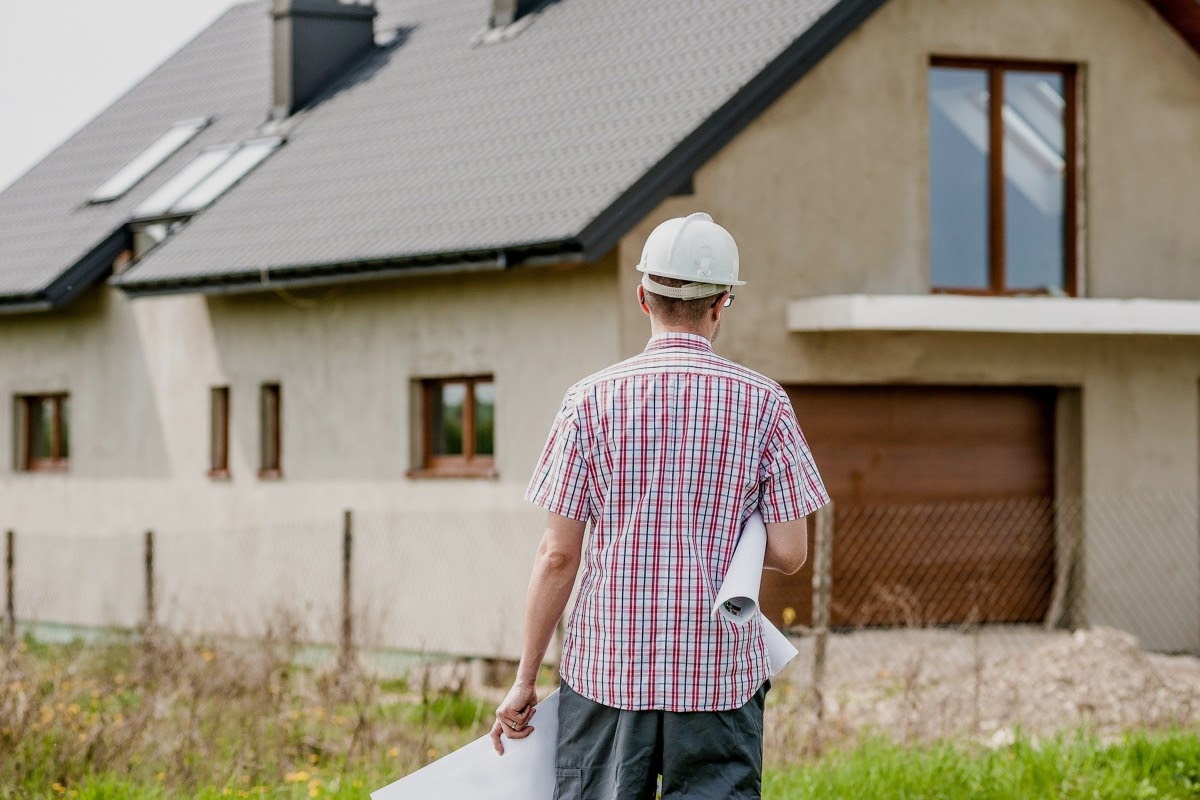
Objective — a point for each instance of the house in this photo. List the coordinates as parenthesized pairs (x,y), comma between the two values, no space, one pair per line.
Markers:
(349,255)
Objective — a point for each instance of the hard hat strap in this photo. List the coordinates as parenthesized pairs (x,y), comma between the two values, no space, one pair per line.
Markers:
(689,291)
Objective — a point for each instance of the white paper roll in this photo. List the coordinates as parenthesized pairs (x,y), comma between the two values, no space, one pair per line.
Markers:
(737,599)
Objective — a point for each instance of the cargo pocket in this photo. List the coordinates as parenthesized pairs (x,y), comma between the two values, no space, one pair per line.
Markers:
(568,784)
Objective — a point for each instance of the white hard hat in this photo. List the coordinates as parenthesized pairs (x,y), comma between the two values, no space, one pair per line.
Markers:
(694,249)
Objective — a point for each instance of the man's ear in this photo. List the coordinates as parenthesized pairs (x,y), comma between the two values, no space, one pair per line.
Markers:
(641,296)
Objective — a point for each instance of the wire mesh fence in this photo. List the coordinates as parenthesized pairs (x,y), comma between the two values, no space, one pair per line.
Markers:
(911,611)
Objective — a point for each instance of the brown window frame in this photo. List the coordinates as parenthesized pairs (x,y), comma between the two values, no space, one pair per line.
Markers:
(26,462)
(995,69)
(270,451)
(468,465)
(218,463)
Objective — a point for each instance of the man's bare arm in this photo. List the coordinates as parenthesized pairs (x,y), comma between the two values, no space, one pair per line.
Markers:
(787,546)
(554,571)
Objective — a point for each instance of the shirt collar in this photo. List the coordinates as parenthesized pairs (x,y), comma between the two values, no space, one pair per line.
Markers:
(679,341)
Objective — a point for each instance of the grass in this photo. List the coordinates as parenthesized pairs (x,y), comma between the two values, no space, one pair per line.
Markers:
(120,720)
(1142,765)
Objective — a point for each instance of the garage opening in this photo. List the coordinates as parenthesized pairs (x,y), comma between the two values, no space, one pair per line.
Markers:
(944,504)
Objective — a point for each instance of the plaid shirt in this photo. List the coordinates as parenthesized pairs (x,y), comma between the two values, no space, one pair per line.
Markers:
(667,454)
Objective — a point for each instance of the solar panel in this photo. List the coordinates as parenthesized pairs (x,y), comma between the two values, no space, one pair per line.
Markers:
(160,203)
(145,162)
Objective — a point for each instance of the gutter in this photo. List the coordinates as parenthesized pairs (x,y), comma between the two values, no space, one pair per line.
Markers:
(268,279)
(81,276)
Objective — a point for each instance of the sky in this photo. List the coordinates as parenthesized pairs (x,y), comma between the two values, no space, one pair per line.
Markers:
(63,62)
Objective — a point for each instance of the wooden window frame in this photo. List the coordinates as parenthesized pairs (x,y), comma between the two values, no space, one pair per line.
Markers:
(995,69)
(26,462)
(468,465)
(218,441)
(270,447)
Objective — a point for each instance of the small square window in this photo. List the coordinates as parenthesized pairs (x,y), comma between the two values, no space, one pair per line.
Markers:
(43,432)
(458,430)
(270,431)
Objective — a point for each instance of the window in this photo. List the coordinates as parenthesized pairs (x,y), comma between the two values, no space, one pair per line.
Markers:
(149,159)
(207,177)
(270,424)
(1002,177)
(219,433)
(459,427)
(43,432)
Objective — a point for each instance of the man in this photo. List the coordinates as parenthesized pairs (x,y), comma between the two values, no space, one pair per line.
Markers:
(666,454)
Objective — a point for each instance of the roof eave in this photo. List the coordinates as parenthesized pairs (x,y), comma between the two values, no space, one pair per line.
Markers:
(301,276)
(699,147)
(81,276)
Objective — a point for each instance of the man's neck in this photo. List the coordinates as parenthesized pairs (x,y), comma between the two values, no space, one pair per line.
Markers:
(657,329)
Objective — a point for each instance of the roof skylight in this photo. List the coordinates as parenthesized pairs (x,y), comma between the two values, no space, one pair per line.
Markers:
(236,167)
(145,162)
(206,178)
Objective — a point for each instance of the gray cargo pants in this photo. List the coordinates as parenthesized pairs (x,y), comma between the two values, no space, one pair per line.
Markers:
(611,754)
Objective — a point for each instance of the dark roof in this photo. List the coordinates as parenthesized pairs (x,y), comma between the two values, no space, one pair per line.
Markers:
(53,244)
(434,150)
(554,141)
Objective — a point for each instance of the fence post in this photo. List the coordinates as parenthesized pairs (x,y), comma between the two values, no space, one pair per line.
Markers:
(346,645)
(148,578)
(822,585)
(10,588)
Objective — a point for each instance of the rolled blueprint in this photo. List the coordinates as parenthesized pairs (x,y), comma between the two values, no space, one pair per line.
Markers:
(526,770)
(737,599)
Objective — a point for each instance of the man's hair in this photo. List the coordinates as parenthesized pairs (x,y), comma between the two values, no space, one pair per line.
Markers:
(674,311)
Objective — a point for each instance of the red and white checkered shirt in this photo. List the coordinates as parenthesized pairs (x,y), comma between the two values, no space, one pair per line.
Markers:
(667,454)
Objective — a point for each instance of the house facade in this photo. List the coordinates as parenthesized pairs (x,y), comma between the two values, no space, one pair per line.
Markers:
(966,227)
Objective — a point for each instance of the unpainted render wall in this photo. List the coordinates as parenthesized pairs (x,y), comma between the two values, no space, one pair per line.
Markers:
(827,193)
(440,565)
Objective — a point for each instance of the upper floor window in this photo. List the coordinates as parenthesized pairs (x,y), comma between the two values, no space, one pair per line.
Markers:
(458,439)
(1002,176)
(43,432)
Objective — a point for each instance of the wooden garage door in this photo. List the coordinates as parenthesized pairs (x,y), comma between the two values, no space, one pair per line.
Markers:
(943,504)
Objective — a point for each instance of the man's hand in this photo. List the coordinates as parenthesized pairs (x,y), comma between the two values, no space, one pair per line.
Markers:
(513,715)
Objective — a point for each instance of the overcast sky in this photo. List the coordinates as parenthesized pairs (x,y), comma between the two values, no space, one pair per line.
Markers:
(62,62)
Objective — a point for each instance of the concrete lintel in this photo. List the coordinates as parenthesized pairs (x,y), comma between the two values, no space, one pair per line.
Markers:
(967,314)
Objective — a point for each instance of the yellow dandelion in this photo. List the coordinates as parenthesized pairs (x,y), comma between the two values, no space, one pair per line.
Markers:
(296,777)
(58,787)
(160,777)
(393,752)
(431,753)
(312,758)
(207,655)
(789,617)
(73,709)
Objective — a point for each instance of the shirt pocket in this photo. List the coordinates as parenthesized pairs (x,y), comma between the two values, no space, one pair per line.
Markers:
(568,784)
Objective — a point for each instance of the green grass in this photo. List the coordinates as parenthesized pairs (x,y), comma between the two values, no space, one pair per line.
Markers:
(198,719)
(1143,765)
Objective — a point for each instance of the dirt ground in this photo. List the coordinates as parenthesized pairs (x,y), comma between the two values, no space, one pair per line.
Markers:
(922,685)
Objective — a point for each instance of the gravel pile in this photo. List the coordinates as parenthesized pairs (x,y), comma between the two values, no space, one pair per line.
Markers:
(923,685)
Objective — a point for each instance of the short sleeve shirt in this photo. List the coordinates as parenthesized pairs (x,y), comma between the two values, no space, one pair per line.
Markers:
(666,455)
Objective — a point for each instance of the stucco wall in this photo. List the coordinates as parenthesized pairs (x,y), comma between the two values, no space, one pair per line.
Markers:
(439,564)
(827,193)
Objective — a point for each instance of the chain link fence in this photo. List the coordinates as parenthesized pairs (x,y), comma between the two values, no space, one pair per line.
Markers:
(932,619)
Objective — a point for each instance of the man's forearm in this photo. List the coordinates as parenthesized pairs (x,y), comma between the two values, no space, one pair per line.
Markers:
(550,587)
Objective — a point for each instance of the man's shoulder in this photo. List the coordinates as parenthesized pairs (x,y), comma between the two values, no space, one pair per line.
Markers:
(647,362)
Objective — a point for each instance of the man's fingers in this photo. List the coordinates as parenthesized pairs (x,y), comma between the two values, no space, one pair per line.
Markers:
(521,734)
(496,729)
